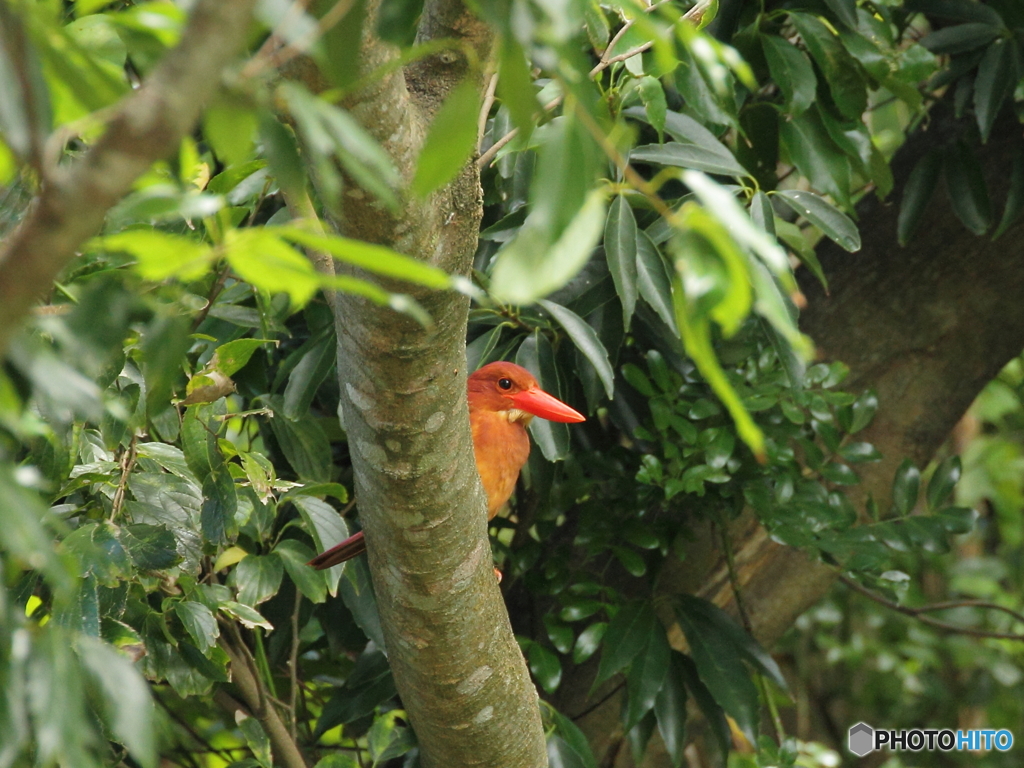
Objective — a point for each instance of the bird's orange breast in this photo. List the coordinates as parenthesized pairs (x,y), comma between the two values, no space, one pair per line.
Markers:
(501,448)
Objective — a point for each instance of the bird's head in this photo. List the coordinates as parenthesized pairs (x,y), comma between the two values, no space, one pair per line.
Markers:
(511,389)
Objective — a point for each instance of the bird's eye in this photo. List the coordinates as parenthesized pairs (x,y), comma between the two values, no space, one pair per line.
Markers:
(505,384)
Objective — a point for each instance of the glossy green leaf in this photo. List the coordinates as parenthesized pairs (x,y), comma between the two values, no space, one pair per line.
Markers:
(586,340)
(652,94)
(303,442)
(620,248)
(1015,197)
(545,666)
(199,622)
(917,193)
(905,486)
(859,452)
(833,223)
(574,738)
(357,593)
(845,11)
(369,684)
(791,70)
(842,72)
(529,267)
(689,156)
(960,38)
(965,185)
(233,356)
(944,479)
(307,376)
(248,616)
(956,10)
(450,140)
(220,501)
(327,528)
(810,148)
(997,75)
(646,676)
(294,555)
(369,256)
(670,710)
(716,621)
(627,635)
(537,355)
(255,738)
(588,642)
(721,669)
(653,281)
(258,577)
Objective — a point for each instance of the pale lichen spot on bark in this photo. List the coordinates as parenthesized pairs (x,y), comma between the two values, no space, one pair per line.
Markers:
(434,422)
(373,454)
(484,715)
(360,400)
(393,445)
(475,681)
(464,572)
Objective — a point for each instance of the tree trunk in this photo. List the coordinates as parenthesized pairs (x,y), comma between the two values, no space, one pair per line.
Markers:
(458,669)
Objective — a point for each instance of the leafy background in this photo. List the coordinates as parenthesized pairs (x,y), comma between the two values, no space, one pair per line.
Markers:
(170,415)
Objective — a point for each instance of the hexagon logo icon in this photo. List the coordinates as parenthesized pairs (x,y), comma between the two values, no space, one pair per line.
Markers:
(861,739)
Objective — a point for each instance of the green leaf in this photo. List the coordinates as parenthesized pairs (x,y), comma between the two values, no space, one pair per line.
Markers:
(560,635)
(721,669)
(450,140)
(230,129)
(842,72)
(856,453)
(863,411)
(905,487)
(283,155)
(163,348)
(150,547)
(917,194)
(199,439)
(689,156)
(159,255)
(811,149)
(249,616)
(957,10)
(586,340)
(626,636)
(369,684)
(653,281)
(358,595)
(545,666)
(574,738)
(1015,197)
(996,78)
(965,185)
(258,577)
(126,702)
(670,710)
(652,94)
(530,267)
(255,738)
(327,528)
(944,479)
(369,256)
(833,223)
(220,501)
(538,356)
(303,442)
(515,85)
(845,11)
(588,642)
(307,376)
(712,710)
(717,621)
(294,555)
(263,259)
(646,676)
(792,72)
(620,248)
(960,38)
(232,357)
(199,622)
(397,21)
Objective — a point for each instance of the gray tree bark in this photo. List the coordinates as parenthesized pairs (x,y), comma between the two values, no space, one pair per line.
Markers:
(458,669)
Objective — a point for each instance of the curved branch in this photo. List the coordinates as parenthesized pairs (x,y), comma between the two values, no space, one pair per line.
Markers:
(147,127)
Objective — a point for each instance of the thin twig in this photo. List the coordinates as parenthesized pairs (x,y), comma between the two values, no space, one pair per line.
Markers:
(127,462)
(293,665)
(918,613)
(485,110)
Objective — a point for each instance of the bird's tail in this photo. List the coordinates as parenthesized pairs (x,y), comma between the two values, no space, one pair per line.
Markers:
(339,553)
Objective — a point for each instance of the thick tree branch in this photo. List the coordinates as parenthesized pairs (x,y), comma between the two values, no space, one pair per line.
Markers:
(458,669)
(245,680)
(74,198)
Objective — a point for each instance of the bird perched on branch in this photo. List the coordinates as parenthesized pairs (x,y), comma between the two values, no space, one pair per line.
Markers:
(503,399)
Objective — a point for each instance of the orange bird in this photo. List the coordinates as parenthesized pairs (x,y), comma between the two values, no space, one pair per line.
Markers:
(503,398)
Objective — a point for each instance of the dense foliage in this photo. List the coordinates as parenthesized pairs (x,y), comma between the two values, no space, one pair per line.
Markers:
(169,416)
